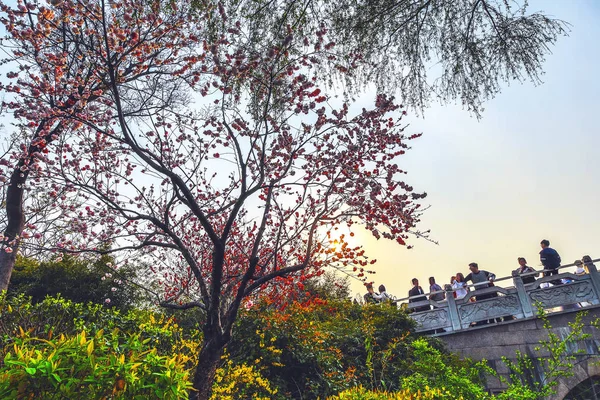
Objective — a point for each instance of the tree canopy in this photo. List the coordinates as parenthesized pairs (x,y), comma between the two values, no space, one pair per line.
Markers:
(424,50)
(206,139)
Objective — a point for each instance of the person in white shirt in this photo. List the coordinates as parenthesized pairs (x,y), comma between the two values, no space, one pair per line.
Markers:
(371,296)
(460,286)
(383,295)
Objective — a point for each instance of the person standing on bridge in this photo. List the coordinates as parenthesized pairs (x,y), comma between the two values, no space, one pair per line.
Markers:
(371,297)
(550,260)
(587,263)
(433,288)
(525,269)
(481,280)
(384,296)
(460,286)
(417,291)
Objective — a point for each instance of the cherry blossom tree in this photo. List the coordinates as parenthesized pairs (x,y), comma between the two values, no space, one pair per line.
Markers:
(478,44)
(228,168)
(59,77)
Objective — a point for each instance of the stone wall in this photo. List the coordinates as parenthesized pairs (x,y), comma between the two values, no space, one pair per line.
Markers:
(491,342)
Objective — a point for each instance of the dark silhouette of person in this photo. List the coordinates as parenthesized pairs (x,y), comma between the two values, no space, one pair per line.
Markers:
(550,260)
(434,287)
(420,295)
(587,263)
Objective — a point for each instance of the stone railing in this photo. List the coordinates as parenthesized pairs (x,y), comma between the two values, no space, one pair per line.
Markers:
(519,301)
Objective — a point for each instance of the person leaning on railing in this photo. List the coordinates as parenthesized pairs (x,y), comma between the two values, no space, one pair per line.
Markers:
(550,260)
(460,286)
(416,294)
(579,268)
(587,263)
(526,270)
(371,297)
(481,280)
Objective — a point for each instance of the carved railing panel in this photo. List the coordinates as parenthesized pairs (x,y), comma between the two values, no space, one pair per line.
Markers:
(571,293)
(495,307)
(431,320)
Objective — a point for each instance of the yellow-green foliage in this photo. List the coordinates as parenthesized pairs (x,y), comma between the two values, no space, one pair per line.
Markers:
(360,393)
(91,367)
(241,381)
(316,349)
(58,349)
(430,369)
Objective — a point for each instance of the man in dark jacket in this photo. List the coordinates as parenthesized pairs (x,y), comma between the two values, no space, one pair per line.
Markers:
(550,260)
(417,291)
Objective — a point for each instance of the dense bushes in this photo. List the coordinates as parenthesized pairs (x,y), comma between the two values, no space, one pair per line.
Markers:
(61,349)
(58,349)
(78,279)
(55,316)
(111,364)
(308,350)
(430,393)
(318,349)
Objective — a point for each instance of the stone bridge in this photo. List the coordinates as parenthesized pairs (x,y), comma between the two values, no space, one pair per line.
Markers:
(499,326)
(494,341)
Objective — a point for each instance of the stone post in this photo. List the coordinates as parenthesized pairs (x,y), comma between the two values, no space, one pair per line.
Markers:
(595,277)
(452,309)
(523,296)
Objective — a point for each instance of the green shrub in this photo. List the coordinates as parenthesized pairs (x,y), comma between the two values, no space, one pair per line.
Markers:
(317,349)
(431,369)
(116,365)
(54,316)
(79,279)
(360,393)
(61,349)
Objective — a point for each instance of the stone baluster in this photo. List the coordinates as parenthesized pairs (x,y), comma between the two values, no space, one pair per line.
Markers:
(595,277)
(452,309)
(523,296)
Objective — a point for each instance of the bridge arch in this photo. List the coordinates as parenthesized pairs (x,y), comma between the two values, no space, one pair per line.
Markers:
(583,385)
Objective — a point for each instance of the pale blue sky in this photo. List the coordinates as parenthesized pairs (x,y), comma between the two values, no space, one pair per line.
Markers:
(528,170)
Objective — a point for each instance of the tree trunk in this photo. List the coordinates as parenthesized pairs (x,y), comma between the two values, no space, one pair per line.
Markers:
(14,226)
(208,362)
(15,214)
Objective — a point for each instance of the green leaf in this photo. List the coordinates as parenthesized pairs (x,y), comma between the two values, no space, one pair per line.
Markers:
(30,371)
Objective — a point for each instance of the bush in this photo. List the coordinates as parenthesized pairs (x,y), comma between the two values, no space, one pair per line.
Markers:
(60,349)
(78,279)
(241,381)
(360,393)
(317,349)
(55,316)
(456,379)
(117,365)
